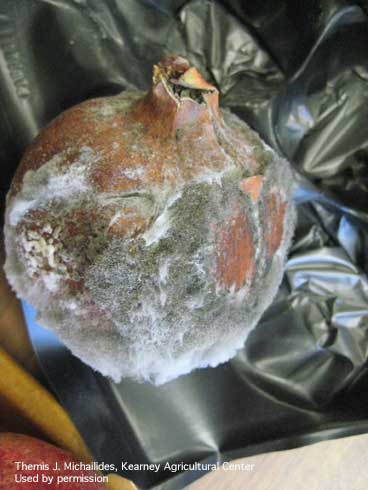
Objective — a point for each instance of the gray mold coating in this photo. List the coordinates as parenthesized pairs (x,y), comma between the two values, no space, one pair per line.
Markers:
(160,311)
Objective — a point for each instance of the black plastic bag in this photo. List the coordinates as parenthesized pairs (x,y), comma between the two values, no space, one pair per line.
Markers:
(298,73)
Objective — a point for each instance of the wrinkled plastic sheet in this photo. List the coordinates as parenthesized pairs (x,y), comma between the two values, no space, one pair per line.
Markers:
(298,73)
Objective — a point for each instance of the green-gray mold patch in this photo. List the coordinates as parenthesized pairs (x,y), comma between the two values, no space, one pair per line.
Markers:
(260,152)
(166,289)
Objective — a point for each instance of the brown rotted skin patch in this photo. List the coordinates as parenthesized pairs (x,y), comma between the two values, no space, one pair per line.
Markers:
(129,225)
(252,186)
(274,223)
(235,254)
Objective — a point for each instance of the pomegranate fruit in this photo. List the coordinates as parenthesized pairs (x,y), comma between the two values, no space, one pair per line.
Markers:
(28,463)
(150,229)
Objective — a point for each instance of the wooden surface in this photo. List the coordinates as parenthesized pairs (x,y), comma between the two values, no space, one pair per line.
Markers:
(341,464)
(332,465)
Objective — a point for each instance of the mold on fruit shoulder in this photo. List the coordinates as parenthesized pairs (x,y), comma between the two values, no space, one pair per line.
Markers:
(128,279)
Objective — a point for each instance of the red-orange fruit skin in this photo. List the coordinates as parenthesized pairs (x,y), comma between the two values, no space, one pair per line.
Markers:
(235,252)
(29,450)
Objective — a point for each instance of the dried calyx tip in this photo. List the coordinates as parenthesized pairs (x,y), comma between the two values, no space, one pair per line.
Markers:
(182,79)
